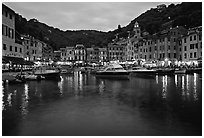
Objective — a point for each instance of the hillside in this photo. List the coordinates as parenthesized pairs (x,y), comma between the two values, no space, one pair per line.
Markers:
(185,14)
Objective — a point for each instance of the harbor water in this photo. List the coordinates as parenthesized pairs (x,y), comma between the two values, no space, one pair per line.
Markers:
(81,104)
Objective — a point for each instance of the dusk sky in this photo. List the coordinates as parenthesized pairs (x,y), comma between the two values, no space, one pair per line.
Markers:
(102,16)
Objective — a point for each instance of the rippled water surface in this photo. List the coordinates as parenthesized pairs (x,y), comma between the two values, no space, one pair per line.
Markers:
(81,104)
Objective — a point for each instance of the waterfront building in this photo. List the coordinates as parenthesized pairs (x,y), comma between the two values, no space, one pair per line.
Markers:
(191,45)
(162,46)
(9,47)
(32,48)
(103,55)
(79,54)
(92,55)
(116,50)
(47,52)
(57,55)
(70,54)
(96,55)
(63,54)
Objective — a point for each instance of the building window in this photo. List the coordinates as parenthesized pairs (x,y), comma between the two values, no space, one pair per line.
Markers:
(169,55)
(9,32)
(16,49)
(184,40)
(196,45)
(20,50)
(174,47)
(199,37)
(174,55)
(185,47)
(4,46)
(10,48)
(6,14)
(185,56)
(191,55)
(191,46)
(10,16)
(194,37)
(190,38)
(194,54)
(180,49)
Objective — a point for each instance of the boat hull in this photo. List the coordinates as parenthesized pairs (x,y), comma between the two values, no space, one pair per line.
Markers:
(52,75)
(165,72)
(113,75)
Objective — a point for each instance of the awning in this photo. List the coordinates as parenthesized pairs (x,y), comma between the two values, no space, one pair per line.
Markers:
(16,60)
(13,60)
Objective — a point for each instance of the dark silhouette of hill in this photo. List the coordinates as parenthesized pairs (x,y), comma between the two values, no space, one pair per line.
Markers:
(187,14)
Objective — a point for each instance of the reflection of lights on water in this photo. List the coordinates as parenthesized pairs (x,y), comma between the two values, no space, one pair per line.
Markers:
(77,83)
(176,80)
(80,82)
(157,81)
(9,99)
(182,87)
(187,86)
(26,92)
(60,85)
(164,89)
(25,98)
(195,95)
(3,104)
(101,87)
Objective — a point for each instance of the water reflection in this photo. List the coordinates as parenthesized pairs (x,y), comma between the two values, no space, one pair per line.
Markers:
(155,105)
(195,96)
(101,87)
(60,85)
(164,87)
(25,97)
(176,80)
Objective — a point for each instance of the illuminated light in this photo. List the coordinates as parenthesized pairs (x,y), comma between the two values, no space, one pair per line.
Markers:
(157,79)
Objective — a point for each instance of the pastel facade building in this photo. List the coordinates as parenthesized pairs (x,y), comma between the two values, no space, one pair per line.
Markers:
(70,53)
(9,47)
(192,45)
(116,51)
(80,53)
(103,55)
(32,48)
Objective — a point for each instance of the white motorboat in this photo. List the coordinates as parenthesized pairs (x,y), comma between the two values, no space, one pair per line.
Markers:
(113,71)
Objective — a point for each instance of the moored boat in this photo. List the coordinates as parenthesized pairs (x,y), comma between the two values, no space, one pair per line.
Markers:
(142,72)
(48,74)
(165,71)
(66,71)
(180,71)
(113,71)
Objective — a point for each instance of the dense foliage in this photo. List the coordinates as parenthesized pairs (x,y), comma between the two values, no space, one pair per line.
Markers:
(187,14)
